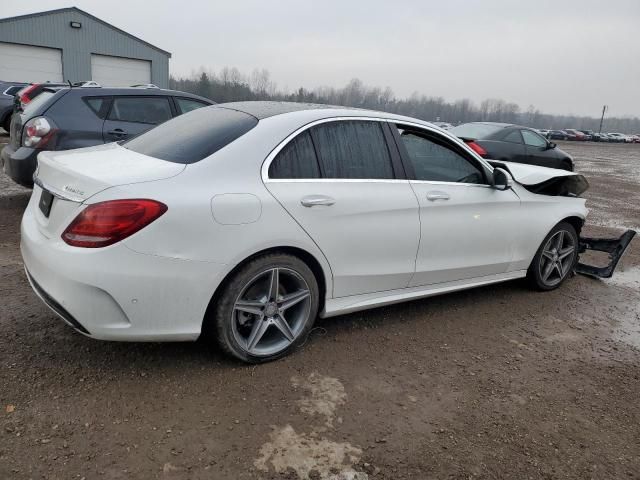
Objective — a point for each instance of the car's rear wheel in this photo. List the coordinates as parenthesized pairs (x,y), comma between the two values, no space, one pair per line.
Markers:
(555,259)
(267,308)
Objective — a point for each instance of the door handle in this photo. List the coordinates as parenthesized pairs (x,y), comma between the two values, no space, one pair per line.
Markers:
(433,196)
(118,132)
(314,200)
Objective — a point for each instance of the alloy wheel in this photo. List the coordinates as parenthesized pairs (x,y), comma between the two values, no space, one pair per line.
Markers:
(557,258)
(271,311)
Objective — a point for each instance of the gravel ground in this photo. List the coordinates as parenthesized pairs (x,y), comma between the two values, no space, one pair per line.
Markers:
(497,382)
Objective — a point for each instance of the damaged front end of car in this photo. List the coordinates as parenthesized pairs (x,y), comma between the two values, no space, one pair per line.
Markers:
(562,183)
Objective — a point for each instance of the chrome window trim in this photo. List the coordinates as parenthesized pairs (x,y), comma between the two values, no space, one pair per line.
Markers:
(264,171)
(435,182)
(337,180)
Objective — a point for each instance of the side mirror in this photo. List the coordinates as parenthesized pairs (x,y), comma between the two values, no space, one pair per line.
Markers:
(551,145)
(501,179)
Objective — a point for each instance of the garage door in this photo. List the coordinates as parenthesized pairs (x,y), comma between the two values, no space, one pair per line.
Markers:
(24,63)
(119,72)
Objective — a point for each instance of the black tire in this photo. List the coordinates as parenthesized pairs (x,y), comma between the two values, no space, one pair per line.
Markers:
(566,165)
(226,321)
(537,270)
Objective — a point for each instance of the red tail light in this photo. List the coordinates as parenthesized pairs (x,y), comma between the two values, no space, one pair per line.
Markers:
(106,223)
(38,132)
(477,148)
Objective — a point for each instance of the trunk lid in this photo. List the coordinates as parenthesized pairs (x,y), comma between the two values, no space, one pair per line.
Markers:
(80,174)
(74,176)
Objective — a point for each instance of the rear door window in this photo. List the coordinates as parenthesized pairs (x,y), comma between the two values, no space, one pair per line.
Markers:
(188,104)
(352,149)
(513,137)
(98,105)
(296,160)
(150,110)
(191,137)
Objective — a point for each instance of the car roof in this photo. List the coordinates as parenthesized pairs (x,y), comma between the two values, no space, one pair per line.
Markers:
(105,91)
(266,109)
(497,124)
(312,111)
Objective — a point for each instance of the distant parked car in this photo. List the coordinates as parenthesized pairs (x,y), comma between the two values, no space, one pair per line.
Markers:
(577,135)
(588,134)
(635,138)
(602,137)
(557,135)
(618,137)
(63,118)
(512,143)
(8,91)
(542,131)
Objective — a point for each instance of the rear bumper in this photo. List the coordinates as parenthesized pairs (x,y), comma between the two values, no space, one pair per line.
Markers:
(20,164)
(114,293)
(615,247)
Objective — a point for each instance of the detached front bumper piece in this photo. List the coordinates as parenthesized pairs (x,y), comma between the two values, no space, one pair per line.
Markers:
(615,247)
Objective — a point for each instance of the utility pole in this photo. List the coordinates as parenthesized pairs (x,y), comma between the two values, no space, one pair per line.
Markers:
(604,109)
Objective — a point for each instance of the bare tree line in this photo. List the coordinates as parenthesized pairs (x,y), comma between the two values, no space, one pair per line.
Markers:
(229,85)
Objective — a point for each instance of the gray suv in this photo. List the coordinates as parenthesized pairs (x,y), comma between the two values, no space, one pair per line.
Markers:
(67,118)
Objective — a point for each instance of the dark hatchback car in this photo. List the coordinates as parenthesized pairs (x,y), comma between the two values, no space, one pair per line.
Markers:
(512,143)
(67,118)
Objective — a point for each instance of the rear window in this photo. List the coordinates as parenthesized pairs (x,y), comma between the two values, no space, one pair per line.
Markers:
(193,136)
(474,130)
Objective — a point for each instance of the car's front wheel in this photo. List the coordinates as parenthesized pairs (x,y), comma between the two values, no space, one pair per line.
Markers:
(555,259)
(267,308)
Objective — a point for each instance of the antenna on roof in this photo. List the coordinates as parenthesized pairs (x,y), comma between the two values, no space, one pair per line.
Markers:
(70,84)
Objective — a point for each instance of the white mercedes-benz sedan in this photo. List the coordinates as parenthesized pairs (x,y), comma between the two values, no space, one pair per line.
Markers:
(249,220)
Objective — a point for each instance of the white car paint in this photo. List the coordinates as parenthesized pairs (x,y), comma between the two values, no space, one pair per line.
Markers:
(381,242)
(526,174)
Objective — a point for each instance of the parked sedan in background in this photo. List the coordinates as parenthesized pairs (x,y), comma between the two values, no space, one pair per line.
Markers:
(512,143)
(588,134)
(8,91)
(63,118)
(248,220)
(575,135)
(557,135)
(618,137)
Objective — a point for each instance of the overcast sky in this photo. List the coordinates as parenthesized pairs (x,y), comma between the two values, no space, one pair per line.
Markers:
(563,56)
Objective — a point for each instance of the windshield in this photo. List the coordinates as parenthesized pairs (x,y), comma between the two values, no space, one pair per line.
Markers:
(193,136)
(474,130)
